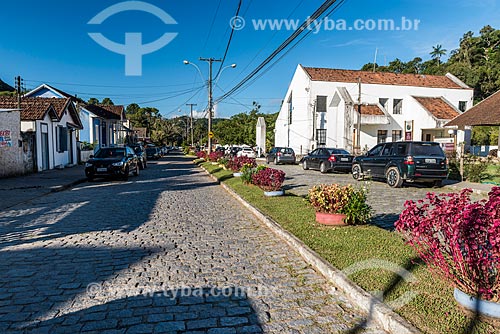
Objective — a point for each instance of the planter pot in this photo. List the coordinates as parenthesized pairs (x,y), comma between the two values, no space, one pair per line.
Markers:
(331,219)
(274,193)
(237,174)
(481,307)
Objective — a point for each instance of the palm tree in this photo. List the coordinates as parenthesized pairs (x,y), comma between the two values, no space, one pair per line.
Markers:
(438,52)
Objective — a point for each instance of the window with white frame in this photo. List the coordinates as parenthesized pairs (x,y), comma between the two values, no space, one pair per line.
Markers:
(397,109)
(61,139)
(320,103)
(462,106)
(381,136)
(397,135)
(321,136)
(384,102)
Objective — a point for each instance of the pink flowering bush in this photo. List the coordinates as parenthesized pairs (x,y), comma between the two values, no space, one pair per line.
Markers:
(458,239)
(237,163)
(215,156)
(201,155)
(269,179)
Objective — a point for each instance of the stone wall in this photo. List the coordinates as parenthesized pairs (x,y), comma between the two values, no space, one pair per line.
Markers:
(11,157)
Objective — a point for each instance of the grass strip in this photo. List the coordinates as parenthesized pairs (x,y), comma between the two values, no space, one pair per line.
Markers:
(433,310)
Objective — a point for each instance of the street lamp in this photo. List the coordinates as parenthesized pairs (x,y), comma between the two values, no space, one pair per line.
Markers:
(218,76)
(210,100)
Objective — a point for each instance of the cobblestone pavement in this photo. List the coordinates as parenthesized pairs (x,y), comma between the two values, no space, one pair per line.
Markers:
(166,252)
(387,202)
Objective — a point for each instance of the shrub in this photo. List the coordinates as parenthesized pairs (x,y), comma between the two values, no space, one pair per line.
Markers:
(475,169)
(248,171)
(458,239)
(269,179)
(201,155)
(215,156)
(223,161)
(341,199)
(236,163)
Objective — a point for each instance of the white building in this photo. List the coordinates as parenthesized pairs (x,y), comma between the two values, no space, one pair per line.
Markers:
(321,108)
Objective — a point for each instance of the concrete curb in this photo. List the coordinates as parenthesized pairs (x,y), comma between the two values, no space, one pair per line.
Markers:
(377,310)
(67,186)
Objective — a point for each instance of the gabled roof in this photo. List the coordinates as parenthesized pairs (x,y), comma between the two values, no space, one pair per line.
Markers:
(35,108)
(383,78)
(438,107)
(370,110)
(54,90)
(116,110)
(486,112)
(5,87)
(104,111)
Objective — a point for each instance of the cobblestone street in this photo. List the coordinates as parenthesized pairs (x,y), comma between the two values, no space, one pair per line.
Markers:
(165,252)
(387,202)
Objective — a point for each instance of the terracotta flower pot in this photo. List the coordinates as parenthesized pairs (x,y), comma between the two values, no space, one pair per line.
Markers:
(331,219)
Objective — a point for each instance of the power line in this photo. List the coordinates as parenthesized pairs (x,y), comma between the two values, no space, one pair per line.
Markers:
(229,41)
(303,27)
(104,86)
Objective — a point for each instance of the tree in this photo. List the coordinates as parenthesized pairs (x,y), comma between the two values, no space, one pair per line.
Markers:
(107,102)
(93,100)
(438,52)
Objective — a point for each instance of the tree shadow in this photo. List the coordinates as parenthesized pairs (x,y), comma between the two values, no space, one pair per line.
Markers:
(397,279)
(384,221)
(197,309)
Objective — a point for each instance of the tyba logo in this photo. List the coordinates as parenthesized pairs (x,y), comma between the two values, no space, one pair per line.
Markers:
(133,49)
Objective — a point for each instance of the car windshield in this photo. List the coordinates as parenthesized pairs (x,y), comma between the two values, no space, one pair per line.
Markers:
(427,149)
(104,153)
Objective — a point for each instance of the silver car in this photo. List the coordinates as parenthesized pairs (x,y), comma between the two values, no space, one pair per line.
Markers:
(281,155)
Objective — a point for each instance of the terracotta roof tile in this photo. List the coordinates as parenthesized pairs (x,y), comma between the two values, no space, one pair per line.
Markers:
(486,112)
(117,110)
(381,78)
(106,112)
(370,110)
(438,107)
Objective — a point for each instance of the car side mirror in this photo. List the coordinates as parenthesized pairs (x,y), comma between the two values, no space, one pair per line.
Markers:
(91,156)
(366,154)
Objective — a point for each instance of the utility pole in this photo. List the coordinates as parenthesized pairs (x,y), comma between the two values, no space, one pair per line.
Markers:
(192,131)
(210,98)
(18,91)
(358,127)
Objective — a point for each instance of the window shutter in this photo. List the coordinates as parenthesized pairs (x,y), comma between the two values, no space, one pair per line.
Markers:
(63,139)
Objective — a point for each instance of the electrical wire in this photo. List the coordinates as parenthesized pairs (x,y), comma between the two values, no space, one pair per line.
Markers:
(304,26)
(229,41)
(103,86)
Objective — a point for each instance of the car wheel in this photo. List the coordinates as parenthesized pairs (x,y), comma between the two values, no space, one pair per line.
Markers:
(275,161)
(136,172)
(356,172)
(125,175)
(394,179)
(322,168)
(437,184)
(304,165)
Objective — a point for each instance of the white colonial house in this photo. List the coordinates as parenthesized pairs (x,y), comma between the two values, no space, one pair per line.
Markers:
(321,108)
(102,125)
(53,124)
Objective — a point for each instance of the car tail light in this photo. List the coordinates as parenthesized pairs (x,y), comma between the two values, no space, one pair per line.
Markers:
(278,154)
(447,161)
(332,158)
(409,160)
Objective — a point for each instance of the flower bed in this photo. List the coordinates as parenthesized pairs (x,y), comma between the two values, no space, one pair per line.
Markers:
(237,163)
(269,179)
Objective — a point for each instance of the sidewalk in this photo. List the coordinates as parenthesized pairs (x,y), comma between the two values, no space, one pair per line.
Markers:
(15,190)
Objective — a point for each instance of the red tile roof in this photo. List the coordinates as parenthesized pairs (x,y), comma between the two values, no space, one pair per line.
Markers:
(370,110)
(117,110)
(486,112)
(35,108)
(381,78)
(438,107)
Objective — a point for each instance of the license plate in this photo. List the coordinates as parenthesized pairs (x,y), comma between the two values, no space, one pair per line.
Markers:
(344,159)
(430,161)
(102,169)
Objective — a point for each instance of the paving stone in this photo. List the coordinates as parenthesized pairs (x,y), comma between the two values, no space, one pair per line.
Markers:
(184,236)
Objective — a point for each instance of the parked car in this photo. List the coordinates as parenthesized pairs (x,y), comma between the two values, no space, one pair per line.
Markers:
(246,152)
(328,159)
(233,151)
(141,155)
(153,153)
(280,155)
(403,161)
(112,161)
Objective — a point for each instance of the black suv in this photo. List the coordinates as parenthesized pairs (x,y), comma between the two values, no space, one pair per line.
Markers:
(403,161)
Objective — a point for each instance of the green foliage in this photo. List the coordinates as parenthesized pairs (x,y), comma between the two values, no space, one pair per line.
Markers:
(475,169)
(107,102)
(241,128)
(93,100)
(476,62)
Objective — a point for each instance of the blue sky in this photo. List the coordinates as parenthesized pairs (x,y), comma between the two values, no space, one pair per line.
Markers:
(47,41)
